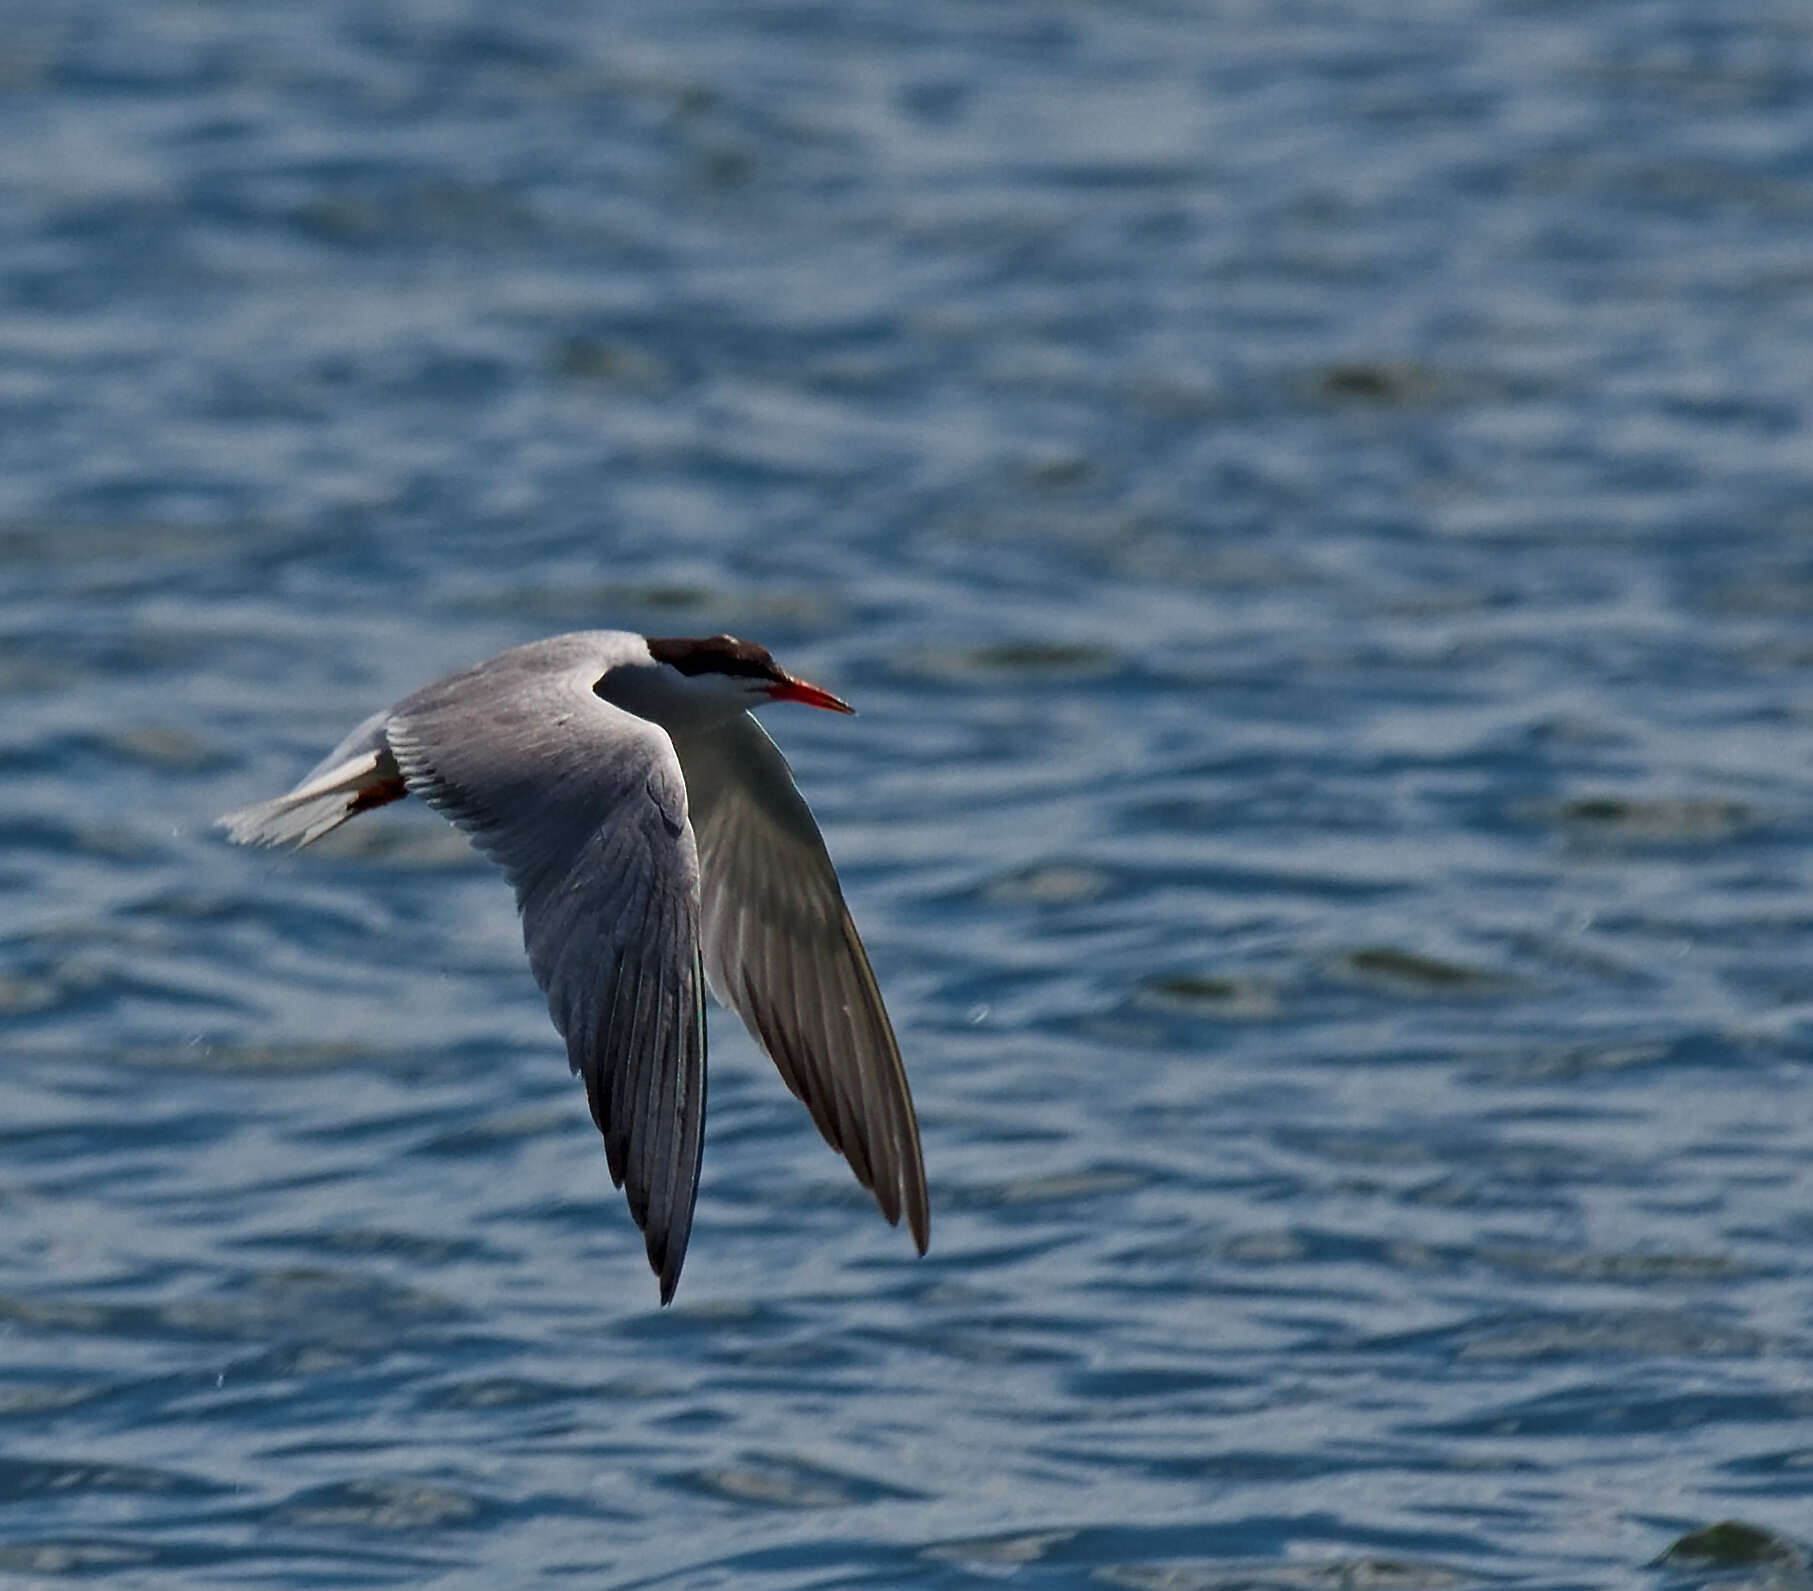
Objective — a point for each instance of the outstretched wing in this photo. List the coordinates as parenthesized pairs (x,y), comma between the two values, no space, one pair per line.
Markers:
(584,806)
(781,951)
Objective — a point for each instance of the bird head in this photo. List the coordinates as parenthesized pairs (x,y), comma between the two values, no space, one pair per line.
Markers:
(719,676)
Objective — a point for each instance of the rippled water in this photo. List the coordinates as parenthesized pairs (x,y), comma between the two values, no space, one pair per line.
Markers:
(1312,504)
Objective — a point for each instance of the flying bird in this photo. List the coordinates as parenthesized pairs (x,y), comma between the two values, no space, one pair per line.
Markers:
(657,844)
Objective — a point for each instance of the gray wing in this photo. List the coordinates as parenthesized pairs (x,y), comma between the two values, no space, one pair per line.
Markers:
(782,952)
(584,806)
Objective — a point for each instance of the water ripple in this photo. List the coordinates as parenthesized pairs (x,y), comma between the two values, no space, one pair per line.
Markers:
(1313,519)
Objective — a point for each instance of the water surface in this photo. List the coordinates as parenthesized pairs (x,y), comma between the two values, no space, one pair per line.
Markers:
(1312,508)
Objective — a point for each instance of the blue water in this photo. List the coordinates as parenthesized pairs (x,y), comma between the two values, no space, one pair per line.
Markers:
(1312,503)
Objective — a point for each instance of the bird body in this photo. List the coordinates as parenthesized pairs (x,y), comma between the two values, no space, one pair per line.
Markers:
(657,844)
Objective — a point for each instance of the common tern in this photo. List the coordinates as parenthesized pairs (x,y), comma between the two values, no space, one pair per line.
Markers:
(657,844)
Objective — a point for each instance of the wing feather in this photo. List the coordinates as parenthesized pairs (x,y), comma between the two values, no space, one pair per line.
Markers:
(584,807)
(780,949)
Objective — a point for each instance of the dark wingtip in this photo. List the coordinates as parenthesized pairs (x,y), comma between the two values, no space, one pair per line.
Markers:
(915,1207)
(666,1266)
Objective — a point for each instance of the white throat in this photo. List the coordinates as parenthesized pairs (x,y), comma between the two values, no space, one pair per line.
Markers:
(680,703)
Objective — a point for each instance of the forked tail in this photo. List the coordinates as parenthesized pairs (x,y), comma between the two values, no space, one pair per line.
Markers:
(356,775)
